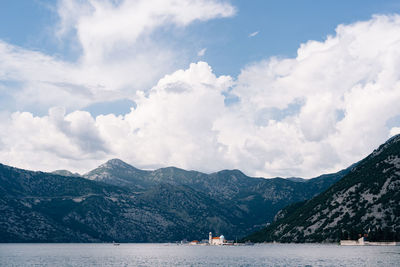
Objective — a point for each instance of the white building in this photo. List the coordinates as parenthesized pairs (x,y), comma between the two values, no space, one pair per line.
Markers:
(219,240)
(362,242)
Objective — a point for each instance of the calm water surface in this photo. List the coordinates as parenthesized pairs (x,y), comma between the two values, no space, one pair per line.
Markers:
(186,255)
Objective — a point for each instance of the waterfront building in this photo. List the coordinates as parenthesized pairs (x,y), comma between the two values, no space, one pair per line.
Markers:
(362,242)
(218,240)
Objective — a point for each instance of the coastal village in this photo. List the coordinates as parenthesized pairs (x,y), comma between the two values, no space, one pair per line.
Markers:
(221,241)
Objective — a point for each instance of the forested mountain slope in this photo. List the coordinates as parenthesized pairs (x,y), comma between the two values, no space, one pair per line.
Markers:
(365,200)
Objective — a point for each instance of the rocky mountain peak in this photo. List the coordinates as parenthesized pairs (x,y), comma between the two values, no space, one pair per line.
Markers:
(115,163)
(118,172)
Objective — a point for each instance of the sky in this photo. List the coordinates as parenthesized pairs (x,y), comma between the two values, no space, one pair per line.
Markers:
(273,88)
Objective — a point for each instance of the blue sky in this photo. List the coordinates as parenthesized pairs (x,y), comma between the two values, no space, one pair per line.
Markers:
(281,26)
(274,88)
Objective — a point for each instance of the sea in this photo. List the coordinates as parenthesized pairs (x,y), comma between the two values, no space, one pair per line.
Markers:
(195,255)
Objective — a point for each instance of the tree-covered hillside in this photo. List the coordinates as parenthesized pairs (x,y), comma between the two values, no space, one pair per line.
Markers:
(366,200)
(119,202)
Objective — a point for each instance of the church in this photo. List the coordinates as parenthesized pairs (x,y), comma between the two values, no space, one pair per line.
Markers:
(219,240)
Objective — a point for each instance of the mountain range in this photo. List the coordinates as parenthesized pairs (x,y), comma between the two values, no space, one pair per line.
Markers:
(365,201)
(117,201)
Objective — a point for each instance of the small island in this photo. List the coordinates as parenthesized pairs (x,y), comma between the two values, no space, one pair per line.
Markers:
(214,241)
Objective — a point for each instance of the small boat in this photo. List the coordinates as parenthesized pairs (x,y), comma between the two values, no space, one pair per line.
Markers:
(116,244)
(249,243)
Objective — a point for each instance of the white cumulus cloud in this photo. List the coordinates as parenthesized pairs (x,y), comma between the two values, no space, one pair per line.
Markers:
(318,112)
(120,52)
(346,88)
